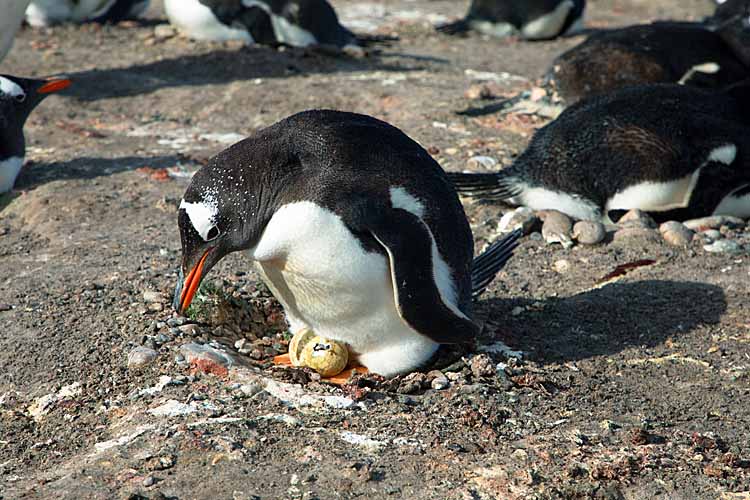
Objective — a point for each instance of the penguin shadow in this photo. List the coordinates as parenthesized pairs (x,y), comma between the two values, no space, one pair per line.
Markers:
(605,320)
(221,66)
(36,174)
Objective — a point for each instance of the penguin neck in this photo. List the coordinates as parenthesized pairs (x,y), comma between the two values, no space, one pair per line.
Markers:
(12,142)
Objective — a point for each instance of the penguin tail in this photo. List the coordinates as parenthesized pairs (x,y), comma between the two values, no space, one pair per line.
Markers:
(486,266)
(455,28)
(499,186)
(371,40)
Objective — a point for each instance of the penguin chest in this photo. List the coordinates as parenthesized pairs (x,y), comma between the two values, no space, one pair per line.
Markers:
(325,279)
(197,21)
(549,25)
(285,31)
(9,169)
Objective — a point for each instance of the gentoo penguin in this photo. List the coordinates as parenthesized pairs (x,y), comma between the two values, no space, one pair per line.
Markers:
(298,23)
(353,226)
(18,97)
(709,54)
(48,12)
(530,19)
(675,151)
(10,21)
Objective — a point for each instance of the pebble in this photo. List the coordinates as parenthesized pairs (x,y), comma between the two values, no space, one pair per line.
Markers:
(207,359)
(628,233)
(151,296)
(191,329)
(141,356)
(636,217)
(589,232)
(561,266)
(676,233)
(164,31)
(482,161)
(439,380)
(557,228)
(412,383)
(723,246)
(5,307)
(712,234)
(714,222)
(479,91)
(149,481)
(155,306)
(179,321)
(522,217)
(482,366)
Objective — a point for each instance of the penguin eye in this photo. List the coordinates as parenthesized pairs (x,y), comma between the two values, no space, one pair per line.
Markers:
(20,97)
(213,233)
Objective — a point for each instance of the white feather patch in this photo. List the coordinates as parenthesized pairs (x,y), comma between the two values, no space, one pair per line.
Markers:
(11,88)
(546,199)
(202,214)
(198,22)
(736,205)
(549,25)
(9,169)
(285,31)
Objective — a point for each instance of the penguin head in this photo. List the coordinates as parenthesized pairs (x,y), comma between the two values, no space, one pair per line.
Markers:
(732,22)
(219,214)
(19,96)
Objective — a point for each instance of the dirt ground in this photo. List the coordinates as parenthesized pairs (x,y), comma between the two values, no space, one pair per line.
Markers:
(638,389)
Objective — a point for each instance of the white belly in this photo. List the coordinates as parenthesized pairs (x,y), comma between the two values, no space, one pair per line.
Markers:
(198,22)
(9,170)
(549,25)
(736,205)
(285,31)
(326,281)
(10,20)
(49,12)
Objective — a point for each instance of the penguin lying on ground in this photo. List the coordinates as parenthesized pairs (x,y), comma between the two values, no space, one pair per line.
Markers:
(298,23)
(706,54)
(674,151)
(18,98)
(355,229)
(10,20)
(48,12)
(530,19)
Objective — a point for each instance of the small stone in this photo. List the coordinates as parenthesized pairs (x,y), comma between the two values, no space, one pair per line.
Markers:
(164,31)
(207,359)
(151,296)
(675,233)
(723,246)
(190,329)
(412,383)
(589,232)
(637,218)
(149,481)
(714,222)
(631,233)
(141,356)
(438,380)
(482,161)
(561,266)
(240,344)
(712,234)
(521,217)
(479,91)
(482,366)
(557,228)
(179,321)
(155,306)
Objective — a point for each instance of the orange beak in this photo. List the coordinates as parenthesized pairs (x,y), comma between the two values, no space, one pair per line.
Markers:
(54,85)
(191,284)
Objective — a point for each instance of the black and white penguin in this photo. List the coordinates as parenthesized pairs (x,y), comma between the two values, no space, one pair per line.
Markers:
(711,54)
(49,12)
(298,23)
(529,19)
(355,229)
(674,151)
(10,21)
(18,98)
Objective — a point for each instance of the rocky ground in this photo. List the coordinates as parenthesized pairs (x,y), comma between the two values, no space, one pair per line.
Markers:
(628,370)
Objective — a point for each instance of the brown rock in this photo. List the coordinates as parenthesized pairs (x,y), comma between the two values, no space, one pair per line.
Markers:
(589,232)
(557,228)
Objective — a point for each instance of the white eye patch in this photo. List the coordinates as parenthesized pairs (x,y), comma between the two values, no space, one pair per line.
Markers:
(11,88)
(202,215)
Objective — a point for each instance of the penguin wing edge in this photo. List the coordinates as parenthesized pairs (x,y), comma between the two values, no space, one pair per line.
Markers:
(418,297)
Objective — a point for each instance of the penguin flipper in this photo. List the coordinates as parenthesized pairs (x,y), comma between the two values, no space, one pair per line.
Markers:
(455,28)
(499,186)
(486,266)
(419,300)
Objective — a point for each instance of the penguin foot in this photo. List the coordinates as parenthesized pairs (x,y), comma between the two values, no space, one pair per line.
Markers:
(339,379)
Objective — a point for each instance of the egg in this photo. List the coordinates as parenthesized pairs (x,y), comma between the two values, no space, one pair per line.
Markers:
(325,356)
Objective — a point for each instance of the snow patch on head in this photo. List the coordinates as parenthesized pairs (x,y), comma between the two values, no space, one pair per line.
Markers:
(11,88)
(202,214)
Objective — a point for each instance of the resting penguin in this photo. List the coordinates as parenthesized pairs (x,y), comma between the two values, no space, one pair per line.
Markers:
(298,23)
(18,98)
(10,21)
(674,151)
(530,19)
(711,54)
(48,12)
(355,229)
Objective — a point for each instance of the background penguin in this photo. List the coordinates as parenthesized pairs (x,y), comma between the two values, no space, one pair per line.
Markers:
(712,55)
(10,21)
(299,23)
(530,19)
(48,12)
(353,226)
(18,97)
(674,151)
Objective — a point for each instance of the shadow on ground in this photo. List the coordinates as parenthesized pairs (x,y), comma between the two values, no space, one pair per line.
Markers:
(35,174)
(607,320)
